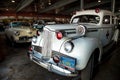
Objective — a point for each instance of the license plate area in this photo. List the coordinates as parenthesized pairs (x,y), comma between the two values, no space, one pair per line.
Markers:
(68,63)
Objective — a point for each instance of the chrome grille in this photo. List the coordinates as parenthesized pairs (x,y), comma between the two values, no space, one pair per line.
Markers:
(38,49)
(24,38)
(46,49)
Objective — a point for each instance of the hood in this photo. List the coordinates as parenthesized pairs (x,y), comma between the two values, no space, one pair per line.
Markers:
(23,28)
(67,26)
(70,30)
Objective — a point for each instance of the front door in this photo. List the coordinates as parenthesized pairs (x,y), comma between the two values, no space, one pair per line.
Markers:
(106,31)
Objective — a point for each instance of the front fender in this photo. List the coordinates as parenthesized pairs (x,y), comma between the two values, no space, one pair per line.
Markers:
(83,49)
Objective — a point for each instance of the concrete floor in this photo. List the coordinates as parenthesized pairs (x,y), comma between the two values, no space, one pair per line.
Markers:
(17,65)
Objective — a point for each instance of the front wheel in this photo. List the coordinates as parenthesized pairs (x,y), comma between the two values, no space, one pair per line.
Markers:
(87,73)
(13,43)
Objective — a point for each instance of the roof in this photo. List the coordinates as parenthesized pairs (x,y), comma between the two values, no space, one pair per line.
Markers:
(93,12)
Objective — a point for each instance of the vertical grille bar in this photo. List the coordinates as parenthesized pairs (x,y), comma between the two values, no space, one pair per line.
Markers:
(46,49)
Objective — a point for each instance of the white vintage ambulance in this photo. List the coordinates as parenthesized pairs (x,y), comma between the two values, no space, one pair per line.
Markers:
(75,49)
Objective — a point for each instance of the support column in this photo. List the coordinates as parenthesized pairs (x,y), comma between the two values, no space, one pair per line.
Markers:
(113,5)
(16,16)
(81,5)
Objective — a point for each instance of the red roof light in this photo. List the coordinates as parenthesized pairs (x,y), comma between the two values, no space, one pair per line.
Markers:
(97,10)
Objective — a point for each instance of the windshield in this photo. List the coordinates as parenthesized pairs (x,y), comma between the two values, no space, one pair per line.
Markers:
(18,24)
(86,19)
(44,22)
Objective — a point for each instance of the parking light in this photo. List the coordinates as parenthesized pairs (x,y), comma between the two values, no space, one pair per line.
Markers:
(56,59)
(59,35)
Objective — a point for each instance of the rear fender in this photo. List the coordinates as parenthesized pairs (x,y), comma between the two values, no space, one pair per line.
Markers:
(116,35)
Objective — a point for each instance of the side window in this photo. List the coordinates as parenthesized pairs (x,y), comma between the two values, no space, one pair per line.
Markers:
(106,19)
(9,25)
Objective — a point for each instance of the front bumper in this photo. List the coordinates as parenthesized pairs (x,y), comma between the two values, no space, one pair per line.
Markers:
(23,39)
(48,65)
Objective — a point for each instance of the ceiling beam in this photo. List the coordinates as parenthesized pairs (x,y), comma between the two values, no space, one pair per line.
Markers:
(23,4)
(93,4)
(57,5)
(97,3)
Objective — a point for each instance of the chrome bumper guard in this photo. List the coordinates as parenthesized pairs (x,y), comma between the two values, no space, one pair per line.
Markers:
(51,67)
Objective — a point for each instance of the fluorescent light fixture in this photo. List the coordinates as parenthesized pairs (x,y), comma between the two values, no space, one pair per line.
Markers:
(49,2)
(99,0)
(13,1)
(7,9)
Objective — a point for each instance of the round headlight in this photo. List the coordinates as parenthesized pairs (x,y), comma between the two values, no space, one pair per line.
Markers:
(17,33)
(68,46)
(34,39)
(81,30)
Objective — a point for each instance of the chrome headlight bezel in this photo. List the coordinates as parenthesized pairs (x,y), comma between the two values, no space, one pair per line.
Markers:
(68,46)
(81,30)
(34,39)
(17,33)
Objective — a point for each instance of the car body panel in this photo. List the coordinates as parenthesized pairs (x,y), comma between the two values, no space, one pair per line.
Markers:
(97,36)
(25,33)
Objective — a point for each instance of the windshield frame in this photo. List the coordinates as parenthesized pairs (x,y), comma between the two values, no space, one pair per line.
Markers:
(19,24)
(90,19)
